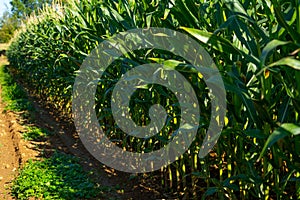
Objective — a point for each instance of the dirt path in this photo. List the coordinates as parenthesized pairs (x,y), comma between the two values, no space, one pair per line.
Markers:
(13,150)
(10,157)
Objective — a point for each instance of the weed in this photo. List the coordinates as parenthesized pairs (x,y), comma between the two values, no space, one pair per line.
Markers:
(58,177)
(35,133)
(13,94)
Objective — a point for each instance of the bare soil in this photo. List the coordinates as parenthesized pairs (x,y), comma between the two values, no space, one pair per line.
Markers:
(9,152)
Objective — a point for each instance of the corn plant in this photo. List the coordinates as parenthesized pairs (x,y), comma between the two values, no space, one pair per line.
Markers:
(255,45)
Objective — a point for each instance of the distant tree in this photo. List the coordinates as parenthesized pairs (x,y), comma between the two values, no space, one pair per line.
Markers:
(10,21)
(8,24)
(22,8)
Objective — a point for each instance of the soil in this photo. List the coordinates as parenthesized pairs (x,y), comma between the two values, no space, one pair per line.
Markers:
(9,152)
(14,152)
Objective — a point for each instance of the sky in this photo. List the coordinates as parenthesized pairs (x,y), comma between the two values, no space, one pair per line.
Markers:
(3,4)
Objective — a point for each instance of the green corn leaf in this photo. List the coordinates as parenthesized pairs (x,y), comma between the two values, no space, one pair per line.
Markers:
(270,47)
(210,191)
(279,133)
(220,44)
(288,61)
(217,42)
(235,6)
(184,12)
(175,65)
(255,133)
(247,101)
(244,35)
(294,129)
(280,18)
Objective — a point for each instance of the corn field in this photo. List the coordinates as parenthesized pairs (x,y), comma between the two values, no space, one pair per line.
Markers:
(256,47)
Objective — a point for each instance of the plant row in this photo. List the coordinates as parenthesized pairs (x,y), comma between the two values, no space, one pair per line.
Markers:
(255,45)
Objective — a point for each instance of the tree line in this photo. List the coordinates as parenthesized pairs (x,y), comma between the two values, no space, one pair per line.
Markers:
(12,19)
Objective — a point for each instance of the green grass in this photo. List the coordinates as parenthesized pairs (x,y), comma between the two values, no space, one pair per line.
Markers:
(35,133)
(58,177)
(12,94)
